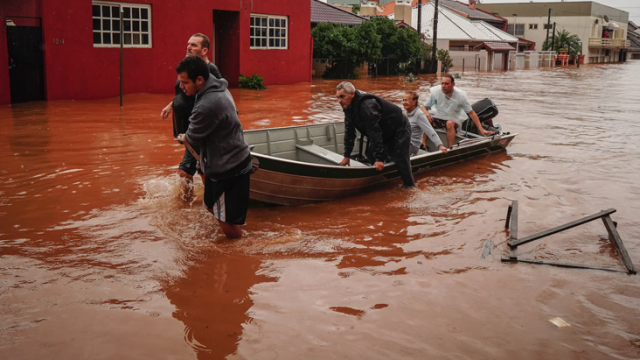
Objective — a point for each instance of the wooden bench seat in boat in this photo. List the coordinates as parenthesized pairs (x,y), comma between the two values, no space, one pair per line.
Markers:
(317,154)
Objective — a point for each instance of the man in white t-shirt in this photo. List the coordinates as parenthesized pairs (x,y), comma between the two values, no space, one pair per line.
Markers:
(447,107)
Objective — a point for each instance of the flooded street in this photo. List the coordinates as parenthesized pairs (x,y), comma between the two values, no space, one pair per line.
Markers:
(101,259)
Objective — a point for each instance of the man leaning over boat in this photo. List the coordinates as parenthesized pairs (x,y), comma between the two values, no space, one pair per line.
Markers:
(447,107)
(382,123)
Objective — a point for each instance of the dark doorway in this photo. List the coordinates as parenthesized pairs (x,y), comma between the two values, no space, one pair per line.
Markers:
(226,25)
(26,63)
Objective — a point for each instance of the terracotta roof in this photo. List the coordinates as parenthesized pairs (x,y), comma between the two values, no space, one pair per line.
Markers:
(525,41)
(474,14)
(390,8)
(495,46)
(323,12)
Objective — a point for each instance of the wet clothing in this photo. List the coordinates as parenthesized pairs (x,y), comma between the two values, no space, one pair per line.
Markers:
(387,130)
(228,199)
(189,164)
(214,125)
(454,108)
(419,125)
(183,104)
(224,155)
(181,110)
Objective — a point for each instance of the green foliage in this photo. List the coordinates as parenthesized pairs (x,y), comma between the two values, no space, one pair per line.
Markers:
(402,44)
(447,62)
(255,82)
(410,78)
(564,41)
(346,48)
(355,9)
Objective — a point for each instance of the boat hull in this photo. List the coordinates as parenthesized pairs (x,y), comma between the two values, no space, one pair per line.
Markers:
(290,182)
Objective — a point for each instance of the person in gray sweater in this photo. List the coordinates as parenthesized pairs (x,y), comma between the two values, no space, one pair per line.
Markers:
(224,155)
(420,126)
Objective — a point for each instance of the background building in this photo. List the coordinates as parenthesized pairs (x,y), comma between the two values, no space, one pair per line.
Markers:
(70,49)
(602,29)
(472,44)
(633,35)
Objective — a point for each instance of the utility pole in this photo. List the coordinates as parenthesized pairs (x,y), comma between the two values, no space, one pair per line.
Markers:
(419,33)
(434,51)
(419,18)
(553,38)
(121,57)
(548,26)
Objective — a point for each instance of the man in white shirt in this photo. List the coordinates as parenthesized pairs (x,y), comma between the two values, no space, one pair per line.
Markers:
(447,107)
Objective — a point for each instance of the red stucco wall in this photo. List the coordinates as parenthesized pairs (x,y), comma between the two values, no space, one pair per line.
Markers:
(77,70)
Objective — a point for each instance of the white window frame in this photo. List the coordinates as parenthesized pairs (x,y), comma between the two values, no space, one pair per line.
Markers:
(533,26)
(268,32)
(514,29)
(129,32)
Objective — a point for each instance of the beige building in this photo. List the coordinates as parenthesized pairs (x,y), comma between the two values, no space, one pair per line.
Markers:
(602,29)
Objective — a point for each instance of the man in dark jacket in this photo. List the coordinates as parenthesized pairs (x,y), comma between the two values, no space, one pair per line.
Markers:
(181,106)
(383,123)
(224,155)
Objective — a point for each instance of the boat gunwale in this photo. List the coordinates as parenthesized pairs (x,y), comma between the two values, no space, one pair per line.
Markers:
(369,167)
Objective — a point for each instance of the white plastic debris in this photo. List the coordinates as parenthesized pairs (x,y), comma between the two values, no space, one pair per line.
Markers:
(559,322)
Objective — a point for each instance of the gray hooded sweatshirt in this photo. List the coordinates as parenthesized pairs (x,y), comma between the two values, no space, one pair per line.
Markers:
(215,128)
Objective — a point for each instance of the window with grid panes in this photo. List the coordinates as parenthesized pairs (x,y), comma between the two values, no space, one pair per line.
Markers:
(268,32)
(136,24)
(519,29)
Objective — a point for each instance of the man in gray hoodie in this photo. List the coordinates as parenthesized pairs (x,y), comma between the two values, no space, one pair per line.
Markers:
(224,155)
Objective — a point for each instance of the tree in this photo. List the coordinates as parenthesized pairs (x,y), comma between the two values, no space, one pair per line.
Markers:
(344,48)
(400,46)
(447,62)
(564,40)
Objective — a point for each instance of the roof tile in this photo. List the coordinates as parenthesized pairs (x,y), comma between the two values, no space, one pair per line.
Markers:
(323,12)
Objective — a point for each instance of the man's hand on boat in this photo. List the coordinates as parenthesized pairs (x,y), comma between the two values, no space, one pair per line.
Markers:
(378,164)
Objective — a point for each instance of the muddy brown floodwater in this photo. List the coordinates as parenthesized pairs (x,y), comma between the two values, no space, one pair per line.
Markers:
(100,259)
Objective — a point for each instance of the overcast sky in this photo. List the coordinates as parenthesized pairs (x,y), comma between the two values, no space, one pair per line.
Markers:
(630,6)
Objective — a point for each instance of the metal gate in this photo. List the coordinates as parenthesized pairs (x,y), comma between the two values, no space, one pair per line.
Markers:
(26,63)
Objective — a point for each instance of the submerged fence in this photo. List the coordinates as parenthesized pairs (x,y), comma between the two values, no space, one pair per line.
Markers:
(388,66)
(482,60)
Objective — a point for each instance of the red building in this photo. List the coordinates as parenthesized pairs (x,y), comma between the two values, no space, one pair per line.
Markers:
(70,49)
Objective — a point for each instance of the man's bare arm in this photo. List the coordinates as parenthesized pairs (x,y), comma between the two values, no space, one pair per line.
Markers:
(166,111)
(426,113)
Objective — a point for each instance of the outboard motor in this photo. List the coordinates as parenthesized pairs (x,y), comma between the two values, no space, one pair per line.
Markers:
(486,110)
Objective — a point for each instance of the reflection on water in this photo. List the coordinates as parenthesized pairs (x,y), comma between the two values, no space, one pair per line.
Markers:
(95,240)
